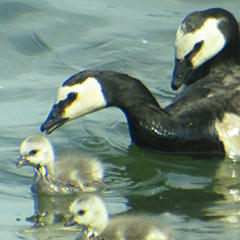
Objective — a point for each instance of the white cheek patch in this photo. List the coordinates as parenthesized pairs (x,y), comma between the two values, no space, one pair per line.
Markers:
(229,133)
(90,98)
(213,42)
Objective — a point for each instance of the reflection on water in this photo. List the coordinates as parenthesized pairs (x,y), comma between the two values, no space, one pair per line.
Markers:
(45,42)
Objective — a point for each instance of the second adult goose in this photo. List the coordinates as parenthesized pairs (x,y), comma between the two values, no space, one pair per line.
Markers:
(206,42)
(203,120)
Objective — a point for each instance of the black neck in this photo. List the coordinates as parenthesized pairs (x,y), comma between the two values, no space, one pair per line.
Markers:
(229,57)
(133,98)
(150,126)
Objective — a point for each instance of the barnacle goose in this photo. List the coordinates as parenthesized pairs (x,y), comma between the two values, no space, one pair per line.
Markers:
(202,120)
(206,42)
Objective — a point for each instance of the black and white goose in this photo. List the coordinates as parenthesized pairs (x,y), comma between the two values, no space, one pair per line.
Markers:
(203,120)
(65,175)
(206,42)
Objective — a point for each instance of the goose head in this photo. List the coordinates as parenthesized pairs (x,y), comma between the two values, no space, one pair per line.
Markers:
(36,150)
(89,210)
(204,40)
(79,95)
(89,91)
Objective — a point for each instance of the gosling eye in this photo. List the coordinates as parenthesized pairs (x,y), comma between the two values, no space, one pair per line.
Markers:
(81,212)
(33,152)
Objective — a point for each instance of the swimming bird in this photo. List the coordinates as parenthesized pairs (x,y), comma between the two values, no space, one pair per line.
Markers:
(203,120)
(67,174)
(206,42)
(90,211)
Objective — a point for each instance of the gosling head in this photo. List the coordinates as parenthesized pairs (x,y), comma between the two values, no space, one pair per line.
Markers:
(200,37)
(89,210)
(36,150)
(79,95)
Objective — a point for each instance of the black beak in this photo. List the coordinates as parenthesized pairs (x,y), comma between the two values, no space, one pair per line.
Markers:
(180,73)
(53,121)
(70,222)
(21,162)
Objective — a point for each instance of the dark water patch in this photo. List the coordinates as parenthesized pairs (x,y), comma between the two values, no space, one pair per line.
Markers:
(11,10)
(175,184)
(30,44)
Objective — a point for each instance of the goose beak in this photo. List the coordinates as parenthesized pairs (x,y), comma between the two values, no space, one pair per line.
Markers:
(53,122)
(70,222)
(180,74)
(21,162)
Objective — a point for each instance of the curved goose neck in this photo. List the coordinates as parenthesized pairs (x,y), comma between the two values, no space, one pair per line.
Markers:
(224,60)
(127,93)
(152,127)
(135,100)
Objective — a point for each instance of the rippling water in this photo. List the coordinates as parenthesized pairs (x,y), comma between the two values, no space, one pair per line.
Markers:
(45,42)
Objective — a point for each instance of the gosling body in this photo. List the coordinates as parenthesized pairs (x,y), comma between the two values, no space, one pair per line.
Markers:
(66,175)
(91,212)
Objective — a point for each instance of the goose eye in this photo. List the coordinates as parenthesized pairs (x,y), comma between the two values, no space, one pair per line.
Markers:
(72,96)
(81,212)
(180,75)
(33,152)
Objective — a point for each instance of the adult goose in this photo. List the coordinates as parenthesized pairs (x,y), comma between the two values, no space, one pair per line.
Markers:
(206,42)
(203,120)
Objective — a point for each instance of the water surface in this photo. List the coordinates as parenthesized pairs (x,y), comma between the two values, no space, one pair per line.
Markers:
(43,43)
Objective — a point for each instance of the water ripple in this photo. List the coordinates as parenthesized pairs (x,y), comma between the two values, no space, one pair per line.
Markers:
(30,44)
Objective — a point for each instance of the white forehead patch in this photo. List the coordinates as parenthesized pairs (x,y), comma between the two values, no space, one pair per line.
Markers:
(213,42)
(90,98)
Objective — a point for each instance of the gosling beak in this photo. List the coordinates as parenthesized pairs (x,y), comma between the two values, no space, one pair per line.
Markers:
(70,222)
(21,162)
(53,121)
